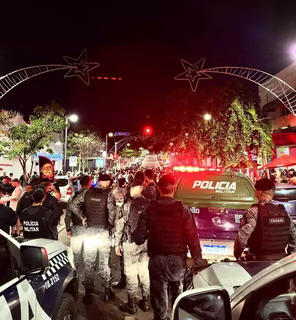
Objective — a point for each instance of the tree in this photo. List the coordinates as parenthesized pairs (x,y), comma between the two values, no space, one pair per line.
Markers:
(26,139)
(232,132)
(85,144)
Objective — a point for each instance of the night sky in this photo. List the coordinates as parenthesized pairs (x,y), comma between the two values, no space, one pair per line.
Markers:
(140,41)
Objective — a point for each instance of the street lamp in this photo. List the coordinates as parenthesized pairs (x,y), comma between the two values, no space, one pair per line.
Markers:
(207,117)
(71,118)
(110,134)
(171,144)
(128,144)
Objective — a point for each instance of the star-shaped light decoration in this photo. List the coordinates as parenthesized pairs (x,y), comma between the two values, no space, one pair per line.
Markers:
(80,67)
(193,73)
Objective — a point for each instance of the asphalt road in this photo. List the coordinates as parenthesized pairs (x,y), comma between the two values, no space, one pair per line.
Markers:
(99,309)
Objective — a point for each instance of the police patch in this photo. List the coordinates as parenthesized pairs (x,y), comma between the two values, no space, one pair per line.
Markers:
(276,220)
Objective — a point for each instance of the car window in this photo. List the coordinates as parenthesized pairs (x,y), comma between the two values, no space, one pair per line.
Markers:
(6,273)
(275,301)
(62,182)
(285,194)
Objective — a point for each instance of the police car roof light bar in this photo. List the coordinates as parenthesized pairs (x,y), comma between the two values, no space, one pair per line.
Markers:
(193,169)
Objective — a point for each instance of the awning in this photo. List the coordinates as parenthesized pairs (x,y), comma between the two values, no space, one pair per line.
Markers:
(283,161)
(284,138)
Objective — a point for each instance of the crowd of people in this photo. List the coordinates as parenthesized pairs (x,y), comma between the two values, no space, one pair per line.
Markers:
(113,211)
(134,211)
(36,209)
(104,213)
(281,175)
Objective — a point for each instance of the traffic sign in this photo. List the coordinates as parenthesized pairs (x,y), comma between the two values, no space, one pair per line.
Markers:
(73,161)
(122,134)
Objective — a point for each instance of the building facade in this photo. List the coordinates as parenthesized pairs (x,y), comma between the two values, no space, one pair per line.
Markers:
(282,121)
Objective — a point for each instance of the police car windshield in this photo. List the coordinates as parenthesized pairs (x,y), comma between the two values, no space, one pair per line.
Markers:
(210,185)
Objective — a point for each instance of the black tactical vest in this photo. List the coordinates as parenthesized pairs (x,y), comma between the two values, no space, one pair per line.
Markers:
(166,229)
(34,224)
(96,212)
(138,205)
(271,234)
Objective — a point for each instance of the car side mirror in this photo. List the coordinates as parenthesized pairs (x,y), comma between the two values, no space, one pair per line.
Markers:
(203,304)
(34,260)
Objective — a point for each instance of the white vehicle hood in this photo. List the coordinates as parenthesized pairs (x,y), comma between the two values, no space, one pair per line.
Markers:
(229,275)
(267,275)
(53,247)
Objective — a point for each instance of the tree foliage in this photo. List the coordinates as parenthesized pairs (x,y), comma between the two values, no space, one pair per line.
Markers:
(26,139)
(85,144)
(233,131)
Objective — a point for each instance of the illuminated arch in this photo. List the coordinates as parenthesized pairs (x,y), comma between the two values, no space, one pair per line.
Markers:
(276,86)
(11,80)
(79,67)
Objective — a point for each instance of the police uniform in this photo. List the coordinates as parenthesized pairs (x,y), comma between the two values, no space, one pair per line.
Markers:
(135,256)
(120,196)
(38,222)
(100,211)
(151,192)
(266,229)
(78,232)
(169,227)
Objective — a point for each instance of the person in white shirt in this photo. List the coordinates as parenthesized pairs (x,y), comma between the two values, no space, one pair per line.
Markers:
(13,199)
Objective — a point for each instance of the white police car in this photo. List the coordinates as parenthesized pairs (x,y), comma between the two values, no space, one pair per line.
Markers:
(38,280)
(227,292)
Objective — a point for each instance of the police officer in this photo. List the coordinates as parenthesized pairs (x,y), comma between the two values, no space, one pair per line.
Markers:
(75,221)
(135,257)
(266,228)
(100,213)
(169,227)
(151,191)
(38,221)
(120,194)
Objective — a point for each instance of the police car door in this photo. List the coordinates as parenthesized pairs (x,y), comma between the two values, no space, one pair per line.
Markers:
(18,300)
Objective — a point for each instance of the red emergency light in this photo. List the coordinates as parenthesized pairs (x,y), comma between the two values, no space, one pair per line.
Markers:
(193,169)
(147,131)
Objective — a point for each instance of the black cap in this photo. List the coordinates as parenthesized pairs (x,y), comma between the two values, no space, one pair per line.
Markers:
(264,184)
(105,177)
(166,180)
(136,183)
